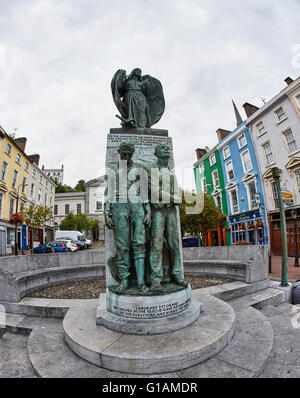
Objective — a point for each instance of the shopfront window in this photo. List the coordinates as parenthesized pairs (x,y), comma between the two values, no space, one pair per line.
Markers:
(10,235)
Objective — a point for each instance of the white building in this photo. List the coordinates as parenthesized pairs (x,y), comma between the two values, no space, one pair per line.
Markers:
(56,174)
(94,202)
(65,203)
(90,203)
(275,130)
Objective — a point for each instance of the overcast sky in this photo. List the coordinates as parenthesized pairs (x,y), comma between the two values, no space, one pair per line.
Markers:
(57,59)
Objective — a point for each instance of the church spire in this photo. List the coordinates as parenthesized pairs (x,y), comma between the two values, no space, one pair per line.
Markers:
(238,117)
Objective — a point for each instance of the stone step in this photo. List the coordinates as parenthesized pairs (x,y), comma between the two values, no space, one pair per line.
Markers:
(245,357)
(262,298)
(147,354)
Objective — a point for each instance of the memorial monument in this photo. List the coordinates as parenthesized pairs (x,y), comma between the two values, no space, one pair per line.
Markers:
(146,290)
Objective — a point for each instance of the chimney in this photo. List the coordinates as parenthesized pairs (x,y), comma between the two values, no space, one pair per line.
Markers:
(21,143)
(250,109)
(200,153)
(221,133)
(289,80)
(34,158)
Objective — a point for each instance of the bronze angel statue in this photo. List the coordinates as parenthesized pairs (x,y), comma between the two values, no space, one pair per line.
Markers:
(139,99)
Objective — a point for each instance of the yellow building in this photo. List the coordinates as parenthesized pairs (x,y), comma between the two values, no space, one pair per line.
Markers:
(15,168)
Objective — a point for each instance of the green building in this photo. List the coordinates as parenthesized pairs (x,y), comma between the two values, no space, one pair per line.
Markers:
(209,178)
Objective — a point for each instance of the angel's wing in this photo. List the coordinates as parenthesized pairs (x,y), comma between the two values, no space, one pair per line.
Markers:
(117,88)
(155,98)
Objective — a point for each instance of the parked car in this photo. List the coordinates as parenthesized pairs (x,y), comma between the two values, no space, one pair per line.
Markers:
(80,244)
(74,235)
(48,247)
(69,243)
(190,242)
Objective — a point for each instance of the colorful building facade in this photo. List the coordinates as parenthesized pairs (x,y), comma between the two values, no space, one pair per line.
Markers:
(14,176)
(243,186)
(209,178)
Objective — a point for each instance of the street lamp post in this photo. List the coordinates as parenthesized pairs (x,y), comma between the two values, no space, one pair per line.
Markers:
(16,224)
(284,274)
(294,217)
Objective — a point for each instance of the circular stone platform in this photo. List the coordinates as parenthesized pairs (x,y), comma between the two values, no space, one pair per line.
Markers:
(151,354)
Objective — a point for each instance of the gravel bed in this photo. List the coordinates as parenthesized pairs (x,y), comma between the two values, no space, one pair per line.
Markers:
(90,289)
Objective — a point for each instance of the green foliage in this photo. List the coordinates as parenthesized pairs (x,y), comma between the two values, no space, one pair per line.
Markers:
(36,216)
(80,187)
(204,218)
(78,222)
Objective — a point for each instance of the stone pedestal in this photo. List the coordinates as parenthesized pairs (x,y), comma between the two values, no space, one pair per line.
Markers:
(148,315)
(131,313)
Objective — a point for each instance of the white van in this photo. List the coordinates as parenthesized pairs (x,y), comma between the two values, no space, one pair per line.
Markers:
(74,235)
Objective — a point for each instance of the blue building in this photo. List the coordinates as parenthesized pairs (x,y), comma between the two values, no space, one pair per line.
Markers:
(244,192)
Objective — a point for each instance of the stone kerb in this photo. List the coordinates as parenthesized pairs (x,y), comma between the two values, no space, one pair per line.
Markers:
(21,275)
(246,263)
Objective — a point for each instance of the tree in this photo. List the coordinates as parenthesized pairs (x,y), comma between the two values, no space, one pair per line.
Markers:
(77,222)
(200,216)
(94,226)
(80,187)
(36,216)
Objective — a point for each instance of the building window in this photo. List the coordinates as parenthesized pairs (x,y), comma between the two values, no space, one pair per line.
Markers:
(67,209)
(280,114)
(229,171)
(10,235)
(246,159)
(298,100)
(46,197)
(212,159)
(40,195)
(234,201)
(290,141)
(268,154)
(203,185)
(15,178)
(1,204)
(18,158)
(26,166)
(41,179)
(275,194)
(50,200)
(24,184)
(201,168)
(242,142)
(55,210)
(11,206)
(297,175)
(78,208)
(226,152)
(33,173)
(252,195)
(32,190)
(218,202)
(3,171)
(47,184)
(216,179)
(260,128)
(8,149)
(98,205)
